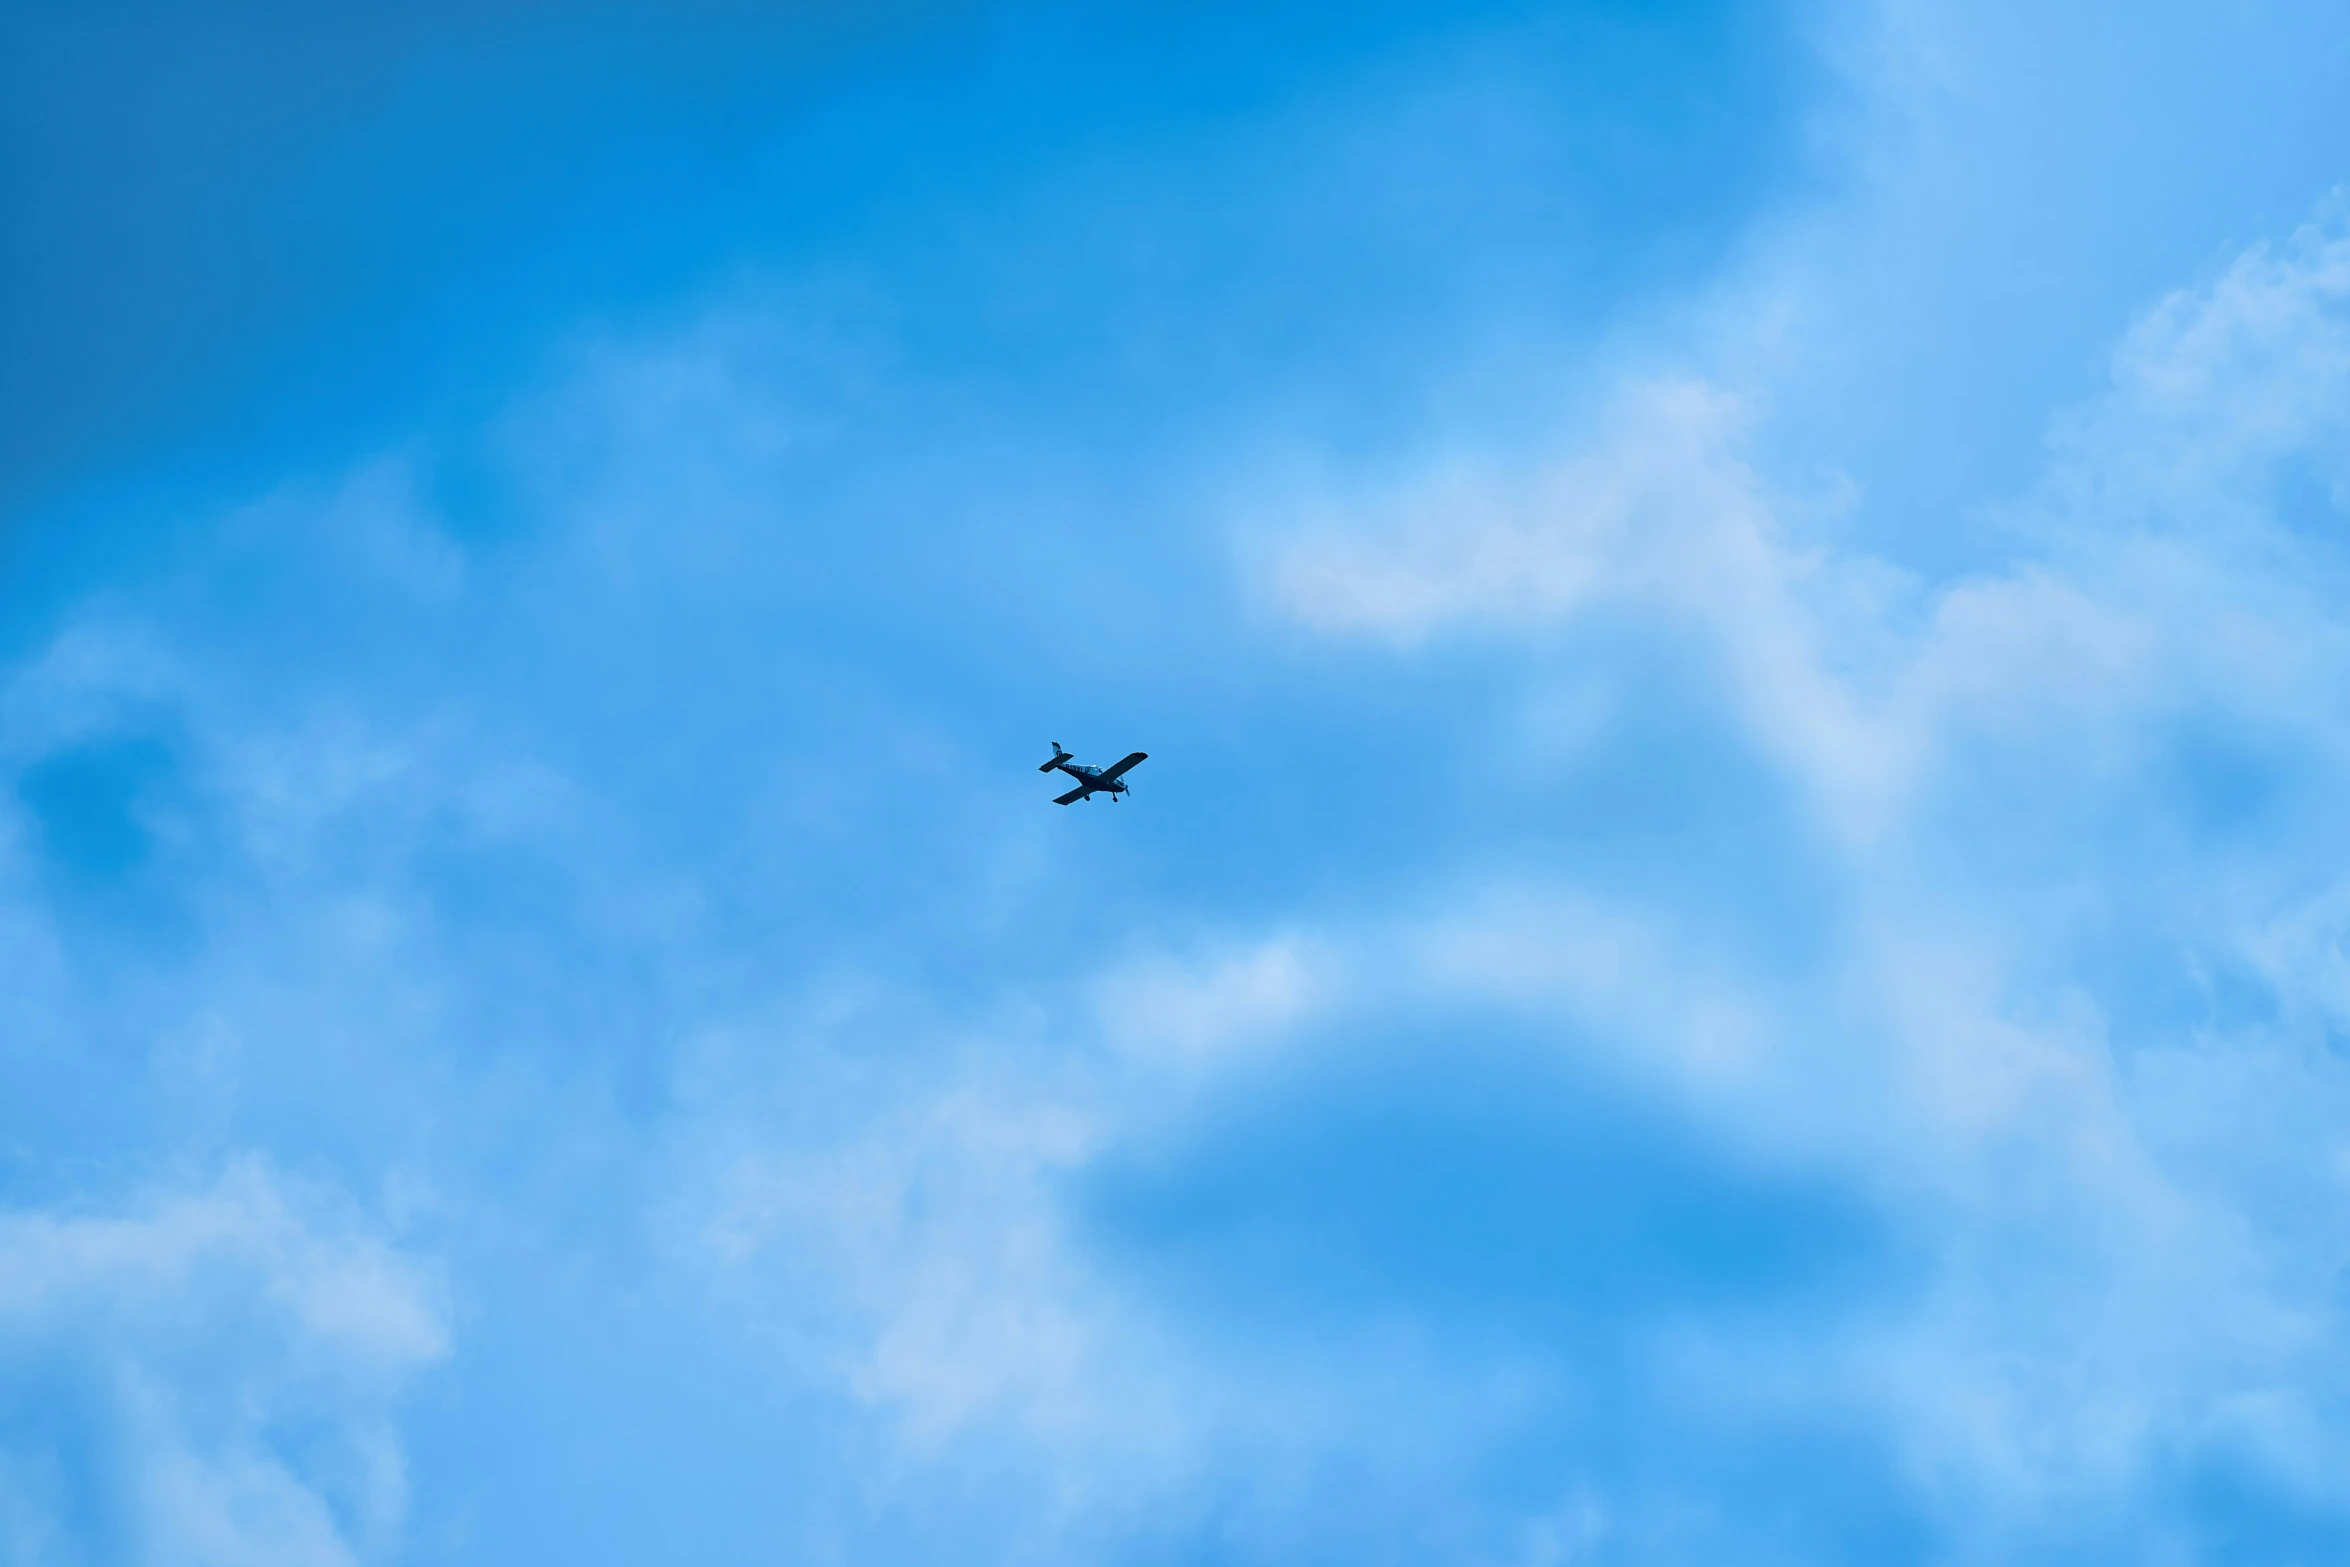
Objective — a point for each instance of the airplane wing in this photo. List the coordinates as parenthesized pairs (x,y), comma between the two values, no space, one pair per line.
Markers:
(1115,770)
(1076,793)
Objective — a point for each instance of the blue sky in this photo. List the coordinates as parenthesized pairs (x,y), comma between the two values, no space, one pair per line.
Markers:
(1732,948)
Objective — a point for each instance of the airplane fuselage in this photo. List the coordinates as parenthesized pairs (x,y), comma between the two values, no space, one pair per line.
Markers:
(1091,781)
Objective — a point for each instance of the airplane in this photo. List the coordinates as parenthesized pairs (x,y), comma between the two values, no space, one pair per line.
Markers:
(1091,780)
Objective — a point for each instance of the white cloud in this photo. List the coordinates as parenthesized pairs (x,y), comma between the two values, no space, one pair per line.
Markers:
(2110,1284)
(1465,541)
(2217,380)
(2104,1278)
(233,1355)
(1656,516)
(1161,1009)
(2103,1288)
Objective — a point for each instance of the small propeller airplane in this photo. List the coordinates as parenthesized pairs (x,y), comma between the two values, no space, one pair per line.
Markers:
(1091,780)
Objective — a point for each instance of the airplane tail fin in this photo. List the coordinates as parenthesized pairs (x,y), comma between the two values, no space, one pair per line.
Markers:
(1059,756)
